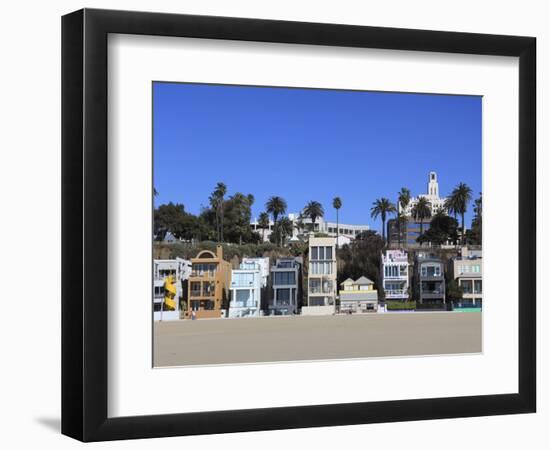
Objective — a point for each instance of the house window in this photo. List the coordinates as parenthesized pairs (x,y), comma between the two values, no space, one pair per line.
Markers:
(159,291)
(315,286)
(208,288)
(477,287)
(466,286)
(328,252)
(243,297)
(430,271)
(283,297)
(195,288)
(284,278)
(321,268)
(321,252)
(314,253)
(243,279)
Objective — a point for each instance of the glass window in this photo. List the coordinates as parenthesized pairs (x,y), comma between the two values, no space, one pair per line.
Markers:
(328,252)
(314,253)
(208,288)
(466,286)
(195,288)
(477,287)
(243,279)
(321,252)
(314,286)
(284,278)
(243,296)
(283,297)
(159,290)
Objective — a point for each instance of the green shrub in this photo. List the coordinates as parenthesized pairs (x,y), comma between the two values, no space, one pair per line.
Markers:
(396,305)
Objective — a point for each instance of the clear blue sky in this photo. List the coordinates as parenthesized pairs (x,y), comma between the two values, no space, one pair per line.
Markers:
(311,144)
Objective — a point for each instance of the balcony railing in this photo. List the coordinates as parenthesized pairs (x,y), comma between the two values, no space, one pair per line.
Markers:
(396,277)
(396,292)
(318,290)
(248,304)
(432,291)
(203,273)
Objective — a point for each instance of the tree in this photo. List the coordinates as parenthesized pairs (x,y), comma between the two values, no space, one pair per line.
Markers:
(453,291)
(263,223)
(442,229)
(361,257)
(314,210)
(237,216)
(285,229)
(474,236)
(404,198)
(173,218)
(337,204)
(458,201)
(169,217)
(382,207)
(450,206)
(421,211)
(217,203)
(276,206)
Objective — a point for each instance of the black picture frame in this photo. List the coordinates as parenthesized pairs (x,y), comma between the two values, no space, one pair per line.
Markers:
(84,224)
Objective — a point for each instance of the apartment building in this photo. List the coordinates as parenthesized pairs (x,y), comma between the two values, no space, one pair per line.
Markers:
(321,295)
(395,274)
(467,270)
(304,225)
(208,286)
(286,287)
(170,277)
(358,296)
(429,279)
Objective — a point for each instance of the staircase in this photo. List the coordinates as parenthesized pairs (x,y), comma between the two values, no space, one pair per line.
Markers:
(170,293)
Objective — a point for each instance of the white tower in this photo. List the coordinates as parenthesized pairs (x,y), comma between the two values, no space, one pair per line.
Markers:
(433,185)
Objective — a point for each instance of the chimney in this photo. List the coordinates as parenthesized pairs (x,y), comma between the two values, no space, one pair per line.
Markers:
(219,251)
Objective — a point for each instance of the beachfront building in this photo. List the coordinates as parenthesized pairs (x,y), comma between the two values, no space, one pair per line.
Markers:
(304,225)
(286,283)
(321,295)
(169,287)
(358,296)
(429,279)
(467,270)
(208,284)
(395,274)
(246,290)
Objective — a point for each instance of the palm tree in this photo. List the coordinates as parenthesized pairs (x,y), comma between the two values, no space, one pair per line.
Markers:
(404,198)
(382,207)
(285,228)
(276,206)
(217,202)
(250,198)
(313,210)
(337,204)
(421,211)
(458,200)
(451,206)
(263,223)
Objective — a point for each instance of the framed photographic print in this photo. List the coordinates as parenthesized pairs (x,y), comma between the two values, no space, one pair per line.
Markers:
(273,224)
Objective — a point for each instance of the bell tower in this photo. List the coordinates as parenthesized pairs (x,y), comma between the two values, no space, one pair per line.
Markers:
(433,185)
